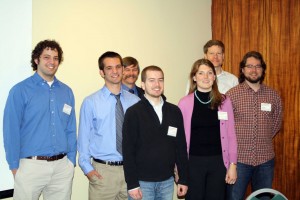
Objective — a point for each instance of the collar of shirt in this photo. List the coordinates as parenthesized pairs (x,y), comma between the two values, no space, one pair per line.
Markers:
(124,87)
(107,93)
(157,108)
(248,88)
(39,80)
(221,74)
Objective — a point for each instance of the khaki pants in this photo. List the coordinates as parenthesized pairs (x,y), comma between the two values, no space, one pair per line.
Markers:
(52,179)
(111,186)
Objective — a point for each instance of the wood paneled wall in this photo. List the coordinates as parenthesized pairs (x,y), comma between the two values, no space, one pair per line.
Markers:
(271,27)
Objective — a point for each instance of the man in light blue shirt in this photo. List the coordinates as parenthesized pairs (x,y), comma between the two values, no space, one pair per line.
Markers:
(99,158)
(39,129)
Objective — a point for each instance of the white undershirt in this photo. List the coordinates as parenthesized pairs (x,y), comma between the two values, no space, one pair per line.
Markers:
(157,108)
(50,83)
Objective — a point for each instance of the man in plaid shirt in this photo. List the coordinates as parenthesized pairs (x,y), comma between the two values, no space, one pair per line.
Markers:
(258,116)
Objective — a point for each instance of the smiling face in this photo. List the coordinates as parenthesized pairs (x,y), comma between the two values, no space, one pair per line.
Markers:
(112,72)
(47,64)
(153,84)
(204,78)
(253,70)
(215,55)
(130,75)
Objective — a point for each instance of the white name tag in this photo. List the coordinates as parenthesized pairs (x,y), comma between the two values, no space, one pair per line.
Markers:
(67,109)
(172,131)
(222,115)
(265,106)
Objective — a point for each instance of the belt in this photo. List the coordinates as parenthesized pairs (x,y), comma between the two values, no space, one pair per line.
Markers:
(48,158)
(112,163)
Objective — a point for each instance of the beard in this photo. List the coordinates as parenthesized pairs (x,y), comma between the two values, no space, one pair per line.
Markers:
(251,80)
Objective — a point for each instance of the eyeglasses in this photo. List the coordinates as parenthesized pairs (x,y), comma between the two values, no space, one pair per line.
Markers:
(253,66)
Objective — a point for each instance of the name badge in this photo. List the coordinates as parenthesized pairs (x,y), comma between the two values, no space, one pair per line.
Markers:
(265,106)
(172,131)
(67,109)
(222,115)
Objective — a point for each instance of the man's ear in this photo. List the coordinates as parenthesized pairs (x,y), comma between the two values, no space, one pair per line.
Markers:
(102,74)
(143,85)
(36,61)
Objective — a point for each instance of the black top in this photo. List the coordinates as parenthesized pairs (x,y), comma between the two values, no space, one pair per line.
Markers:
(149,153)
(140,92)
(205,128)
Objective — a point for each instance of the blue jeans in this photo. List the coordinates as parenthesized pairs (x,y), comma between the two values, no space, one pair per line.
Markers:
(261,176)
(157,190)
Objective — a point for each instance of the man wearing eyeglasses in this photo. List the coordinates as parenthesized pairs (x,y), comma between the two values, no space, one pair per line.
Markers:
(39,129)
(258,115)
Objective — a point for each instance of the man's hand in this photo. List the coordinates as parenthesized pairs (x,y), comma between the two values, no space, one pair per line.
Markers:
(93,173)
(181,190)
(136,193)
(176,175)
(14,171)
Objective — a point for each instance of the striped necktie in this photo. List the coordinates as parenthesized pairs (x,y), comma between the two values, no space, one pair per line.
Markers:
(119,123)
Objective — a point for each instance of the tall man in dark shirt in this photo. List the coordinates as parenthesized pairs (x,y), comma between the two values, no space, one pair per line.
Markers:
(258,115)
(153,142)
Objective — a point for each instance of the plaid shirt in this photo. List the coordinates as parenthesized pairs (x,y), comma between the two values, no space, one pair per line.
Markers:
(258,117)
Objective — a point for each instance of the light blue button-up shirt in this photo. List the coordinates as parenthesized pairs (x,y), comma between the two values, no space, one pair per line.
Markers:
(97,127)
(39,120)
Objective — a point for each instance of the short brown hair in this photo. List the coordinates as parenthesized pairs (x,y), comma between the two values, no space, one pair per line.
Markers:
(127,61)
(108,54)
(150,68)
(211,43)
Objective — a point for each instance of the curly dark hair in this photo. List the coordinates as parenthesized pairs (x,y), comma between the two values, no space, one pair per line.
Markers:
(39,48)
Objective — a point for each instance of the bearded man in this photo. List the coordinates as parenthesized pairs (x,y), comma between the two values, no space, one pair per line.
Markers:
(258,115)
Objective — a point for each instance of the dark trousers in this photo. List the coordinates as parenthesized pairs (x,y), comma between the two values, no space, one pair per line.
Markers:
(261,176)
(207,178)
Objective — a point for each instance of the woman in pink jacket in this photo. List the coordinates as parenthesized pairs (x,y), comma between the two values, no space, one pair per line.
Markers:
(210,135)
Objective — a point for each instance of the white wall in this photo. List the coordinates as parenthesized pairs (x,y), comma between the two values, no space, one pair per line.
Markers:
(168,33)
(15,47)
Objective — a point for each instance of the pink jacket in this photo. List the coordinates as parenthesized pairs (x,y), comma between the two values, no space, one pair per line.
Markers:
(227,130)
